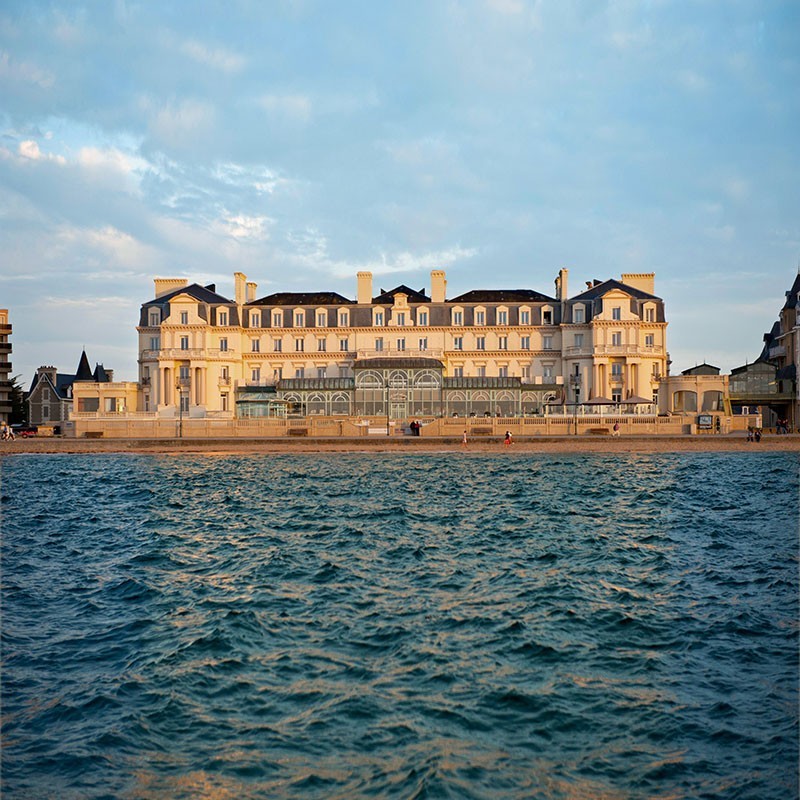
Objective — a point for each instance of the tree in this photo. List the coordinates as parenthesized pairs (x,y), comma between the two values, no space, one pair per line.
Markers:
(19,408)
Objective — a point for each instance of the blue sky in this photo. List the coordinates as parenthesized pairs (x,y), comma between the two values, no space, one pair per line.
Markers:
(300,142)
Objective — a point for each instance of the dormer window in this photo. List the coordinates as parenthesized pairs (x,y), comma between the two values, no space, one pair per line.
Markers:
(155,317)
(422,317)
(616,312)
(400,317)
(502,316)
(184,317)
(480,316)
(458,316)
(277,319)
(649,313)
(578,315)
(547,316)
(524,316)
(377,319)
(322,318)
(344,319)
(222,318)
(299,318)
(255,319)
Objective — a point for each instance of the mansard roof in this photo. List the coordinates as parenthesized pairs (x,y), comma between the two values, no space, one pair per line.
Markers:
(302,299)
(793,295)
(502,296)
(205,294)
(599,289)
(414,296)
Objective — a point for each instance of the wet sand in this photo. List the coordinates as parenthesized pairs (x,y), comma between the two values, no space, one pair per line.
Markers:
(408,444)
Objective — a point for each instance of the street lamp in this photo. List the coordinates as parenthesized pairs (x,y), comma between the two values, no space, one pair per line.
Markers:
(575,382)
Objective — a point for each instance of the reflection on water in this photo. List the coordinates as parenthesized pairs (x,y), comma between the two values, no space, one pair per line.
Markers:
(400,626)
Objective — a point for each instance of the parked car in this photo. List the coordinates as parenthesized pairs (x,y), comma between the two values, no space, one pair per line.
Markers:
(23,430)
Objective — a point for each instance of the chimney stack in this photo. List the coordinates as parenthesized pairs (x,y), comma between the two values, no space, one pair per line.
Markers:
(438,286)
(167,285)
(251,291)
(364,288)
(240,287)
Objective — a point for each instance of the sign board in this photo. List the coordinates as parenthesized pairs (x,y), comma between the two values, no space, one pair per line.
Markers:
(705,421)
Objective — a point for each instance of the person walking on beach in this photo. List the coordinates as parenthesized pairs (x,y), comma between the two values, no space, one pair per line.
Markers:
(508,439)
(464,438)
(615,431)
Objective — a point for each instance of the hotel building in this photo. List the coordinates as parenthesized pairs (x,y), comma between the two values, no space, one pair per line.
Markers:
(5,366)
(400,354)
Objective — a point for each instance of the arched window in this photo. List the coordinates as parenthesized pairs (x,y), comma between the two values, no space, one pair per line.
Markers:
(684,401)
(712,401)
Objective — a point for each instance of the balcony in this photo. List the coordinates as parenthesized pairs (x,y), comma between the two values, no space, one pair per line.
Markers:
(778,351)
(5,347)
(409,352)
(627,350)
(224,380)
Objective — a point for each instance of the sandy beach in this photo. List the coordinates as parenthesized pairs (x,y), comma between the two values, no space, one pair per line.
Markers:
(582,444)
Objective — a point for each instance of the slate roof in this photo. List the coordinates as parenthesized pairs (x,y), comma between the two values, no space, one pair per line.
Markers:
(793,295)
(398,363)
(413,295)
(205,294)
(302,299)
(84,372)
(607,286)
(502,296)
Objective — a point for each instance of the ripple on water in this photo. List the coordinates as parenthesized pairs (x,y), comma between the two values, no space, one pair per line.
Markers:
(400,626)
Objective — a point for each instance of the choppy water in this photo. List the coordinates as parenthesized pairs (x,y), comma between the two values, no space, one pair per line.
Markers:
(595,627)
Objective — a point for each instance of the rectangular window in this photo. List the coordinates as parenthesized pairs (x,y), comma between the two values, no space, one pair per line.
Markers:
(155,342)
(343,319)
(255,375)
(547,371)
(277,374)
(480,317)
(422,318)
(578,340)
(578,315)
(379,344)
(379,318)
(481,372)
(277,319)
(616,313)
(423,344)
(458,372)
(458,343)
(224,373)
(525,317)
(343,345)
(277,345)
(401,318)
(547,342)
(502,342)
(502,372)
(223,345)
(184,342)
(322,319)
(155,317)
(616,396)
(526,373)
(616,339)
(480,343)
(299,345)
(649,340)
(547,317)
(650,315)
(401,345)
(184,317)
(322,372)
(255,319)
(458,318)
(224,401)
(299,319)
(321,345)
(502,317)
(300,372)
(255,346)
(525,342)
(222,317)
(616,369)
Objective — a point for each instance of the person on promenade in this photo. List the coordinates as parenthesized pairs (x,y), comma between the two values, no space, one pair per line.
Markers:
(508,439)
(464,438)
(615,431)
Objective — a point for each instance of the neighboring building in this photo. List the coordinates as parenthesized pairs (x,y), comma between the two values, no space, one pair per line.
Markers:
(50,397)
(399,353)
(770,382)
(5,366)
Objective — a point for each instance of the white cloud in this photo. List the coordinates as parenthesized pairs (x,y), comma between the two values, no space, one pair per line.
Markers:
(177,124)
(296,107)
(24,72)
(217,58)
(29,150)
(244,227)
(108,244)
(110,158)
(402,262)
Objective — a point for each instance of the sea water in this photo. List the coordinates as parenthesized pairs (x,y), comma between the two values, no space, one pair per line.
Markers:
(425,625)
